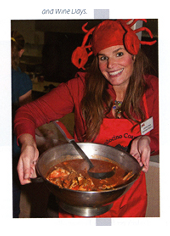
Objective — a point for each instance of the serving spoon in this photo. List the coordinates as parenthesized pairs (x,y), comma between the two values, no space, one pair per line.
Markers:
(97,175)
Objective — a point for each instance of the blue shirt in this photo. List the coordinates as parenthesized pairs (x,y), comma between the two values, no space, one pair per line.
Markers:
(21,84)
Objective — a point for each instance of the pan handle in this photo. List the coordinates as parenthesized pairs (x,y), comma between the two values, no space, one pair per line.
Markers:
(37,180)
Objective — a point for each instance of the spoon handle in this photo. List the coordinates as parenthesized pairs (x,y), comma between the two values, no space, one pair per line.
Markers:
(82,154)
(63,130)
(70,139)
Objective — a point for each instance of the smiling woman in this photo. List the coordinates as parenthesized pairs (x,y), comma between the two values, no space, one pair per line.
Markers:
(132,70)
(116,77)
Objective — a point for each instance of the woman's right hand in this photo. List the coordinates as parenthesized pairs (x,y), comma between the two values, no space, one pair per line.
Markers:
(28,158)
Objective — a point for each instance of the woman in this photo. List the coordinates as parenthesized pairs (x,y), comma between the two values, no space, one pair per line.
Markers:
(110,101)
(21,94)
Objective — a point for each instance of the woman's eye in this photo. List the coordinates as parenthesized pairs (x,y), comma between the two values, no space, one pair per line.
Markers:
(119,54)
(103,58)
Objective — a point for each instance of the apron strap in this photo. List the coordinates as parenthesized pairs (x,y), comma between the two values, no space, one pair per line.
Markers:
(145,106)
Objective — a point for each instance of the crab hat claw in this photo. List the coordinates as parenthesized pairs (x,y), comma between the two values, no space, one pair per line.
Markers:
(131,41)
(79,57)
(80,54)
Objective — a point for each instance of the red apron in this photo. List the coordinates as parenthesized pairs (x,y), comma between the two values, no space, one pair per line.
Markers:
(133,203)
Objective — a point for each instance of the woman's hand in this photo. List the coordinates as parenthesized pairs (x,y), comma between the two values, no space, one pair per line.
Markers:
(140,149)
(28,158)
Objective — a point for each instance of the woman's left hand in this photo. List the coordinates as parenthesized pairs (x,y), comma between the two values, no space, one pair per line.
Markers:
(140,149)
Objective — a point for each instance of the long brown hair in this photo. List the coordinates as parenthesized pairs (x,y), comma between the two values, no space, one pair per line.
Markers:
(17,43)
(97,102)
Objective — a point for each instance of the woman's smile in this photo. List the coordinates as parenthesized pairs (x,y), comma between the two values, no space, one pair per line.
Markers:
(115,73)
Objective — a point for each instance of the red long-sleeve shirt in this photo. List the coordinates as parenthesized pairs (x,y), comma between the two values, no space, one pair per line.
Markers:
(67,97)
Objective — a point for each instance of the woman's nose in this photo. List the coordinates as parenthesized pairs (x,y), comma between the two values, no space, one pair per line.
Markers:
(111,62)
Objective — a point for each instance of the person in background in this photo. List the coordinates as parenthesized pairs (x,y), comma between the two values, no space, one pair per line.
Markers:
(21,94)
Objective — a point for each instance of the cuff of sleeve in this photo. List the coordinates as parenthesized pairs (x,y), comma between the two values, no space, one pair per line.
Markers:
(19,130)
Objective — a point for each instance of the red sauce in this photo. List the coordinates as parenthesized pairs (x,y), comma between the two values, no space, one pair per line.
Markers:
(72,174)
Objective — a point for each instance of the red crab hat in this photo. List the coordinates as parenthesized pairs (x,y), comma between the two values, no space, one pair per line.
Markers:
(109,33)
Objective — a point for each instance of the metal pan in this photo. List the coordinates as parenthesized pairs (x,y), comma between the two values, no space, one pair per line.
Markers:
(86,203)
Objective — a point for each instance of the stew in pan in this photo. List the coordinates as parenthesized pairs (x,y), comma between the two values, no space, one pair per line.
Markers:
(72,174)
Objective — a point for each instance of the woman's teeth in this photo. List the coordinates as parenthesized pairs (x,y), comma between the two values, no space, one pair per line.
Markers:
(115,72)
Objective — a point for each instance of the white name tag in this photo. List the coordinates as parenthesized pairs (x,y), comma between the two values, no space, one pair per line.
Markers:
(146,126)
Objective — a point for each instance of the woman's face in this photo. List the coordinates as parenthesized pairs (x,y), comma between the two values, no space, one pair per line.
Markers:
(116,64)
